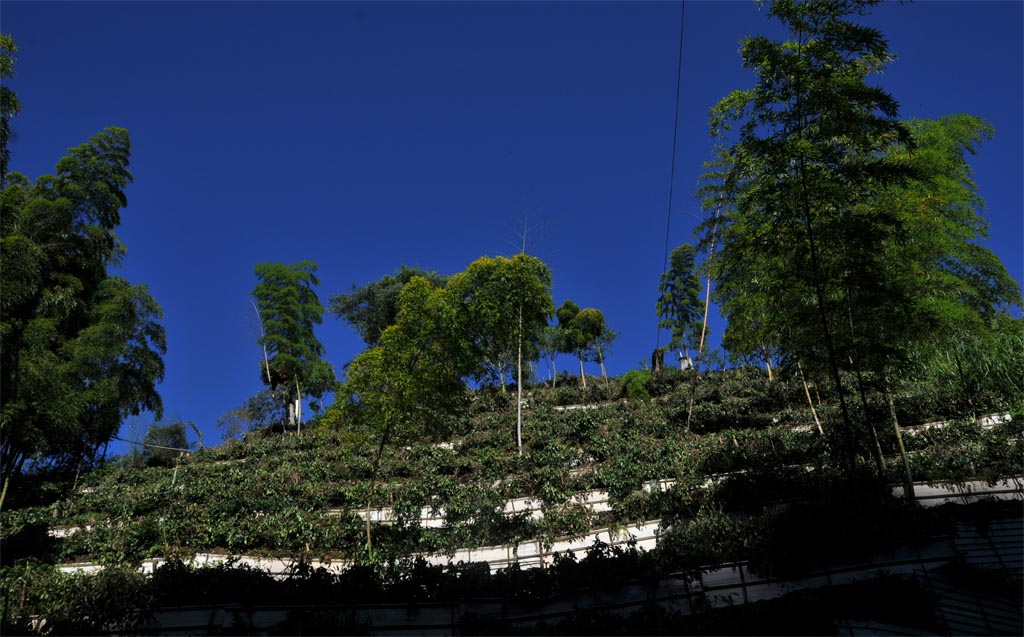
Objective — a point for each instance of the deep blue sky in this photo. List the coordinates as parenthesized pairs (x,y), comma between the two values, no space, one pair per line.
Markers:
(367,135)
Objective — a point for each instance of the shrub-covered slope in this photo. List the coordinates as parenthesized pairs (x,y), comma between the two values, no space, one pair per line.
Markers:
(285,494)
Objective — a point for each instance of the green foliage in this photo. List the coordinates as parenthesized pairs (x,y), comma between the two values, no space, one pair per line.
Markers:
(9,104)
(81,349)
(289,310)
(261,411)
(414,378)
(845,239)
(600,574)
(298,497)
(786,195)
(373,308)
(505,304)
(942,290)
(583,332)
(680,307)
(636,385)
(112,598)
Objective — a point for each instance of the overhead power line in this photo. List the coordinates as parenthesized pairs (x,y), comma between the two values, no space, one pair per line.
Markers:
(146,444)
(675,137)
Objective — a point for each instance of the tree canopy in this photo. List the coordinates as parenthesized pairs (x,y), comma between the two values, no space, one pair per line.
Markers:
(81,349)
(842,233)
(505,303)
(372,308)
(680,307)
(585,333)
(9,104)
(289,309)
(790,189)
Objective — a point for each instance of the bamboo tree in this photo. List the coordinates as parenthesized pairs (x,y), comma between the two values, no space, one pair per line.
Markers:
(809,143)
(81,349)
(679,306)
(288,309)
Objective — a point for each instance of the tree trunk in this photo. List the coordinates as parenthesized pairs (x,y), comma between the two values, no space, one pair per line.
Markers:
(17,461)
(877,446)
(74,484)
(908,480)
(373,485)
(266,360)
(968,391)
(600,359)
(703,332)
(3,494)
(519,386)
(583,377)
(807,392)
(298,407)
(768,364)
(830,348)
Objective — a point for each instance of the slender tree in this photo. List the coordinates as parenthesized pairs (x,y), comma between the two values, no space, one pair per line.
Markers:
(165,443)
(490,294)
(809,152)
(680,307)
(506,303)
(570,340)
(289,309)
(584,333)
(549,348)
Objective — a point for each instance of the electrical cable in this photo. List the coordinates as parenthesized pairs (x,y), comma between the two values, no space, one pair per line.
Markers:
(146,444)
(675,137)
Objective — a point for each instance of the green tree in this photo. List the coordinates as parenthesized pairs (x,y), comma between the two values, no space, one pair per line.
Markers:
(584,333)
(549,346)
(413,380)
(372,308)
(9,105)
(289,310)
(506,304)
(596,336)
(680,307)
(948,298)
(789,188)
(569,339)
(81,350)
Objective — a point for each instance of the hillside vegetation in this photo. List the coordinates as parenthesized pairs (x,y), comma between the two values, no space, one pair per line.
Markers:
(755,481)
(299,495)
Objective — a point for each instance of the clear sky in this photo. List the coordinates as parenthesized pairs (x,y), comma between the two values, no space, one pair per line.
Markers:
(364,136)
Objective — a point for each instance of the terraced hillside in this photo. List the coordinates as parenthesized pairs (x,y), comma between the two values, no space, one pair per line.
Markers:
(752,480)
